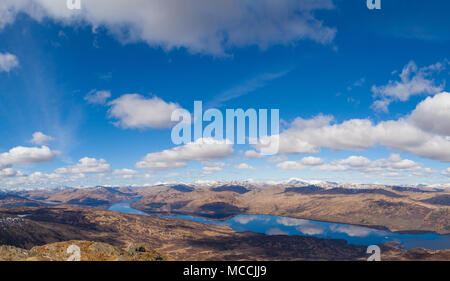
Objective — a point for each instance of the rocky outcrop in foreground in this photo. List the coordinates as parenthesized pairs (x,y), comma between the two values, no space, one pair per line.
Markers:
(78,250)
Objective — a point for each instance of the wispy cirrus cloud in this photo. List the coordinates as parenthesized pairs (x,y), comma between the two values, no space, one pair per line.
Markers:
(245,88)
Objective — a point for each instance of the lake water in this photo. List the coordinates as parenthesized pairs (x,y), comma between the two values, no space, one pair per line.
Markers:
(275,225)
(125,207)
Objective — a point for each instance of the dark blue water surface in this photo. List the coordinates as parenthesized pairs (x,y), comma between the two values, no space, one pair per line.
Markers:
(275,225)
(124,207)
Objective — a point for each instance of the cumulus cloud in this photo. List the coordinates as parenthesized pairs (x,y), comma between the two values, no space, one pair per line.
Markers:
(134,111)
(26,155)
(210,27)
(413,81)
(446,172)
(125,171)
(200,150)
(10,172)
(362,164)
(86,165)
(311,161)
(301,164)
(40,138)
(130,174)
(253,154)
(7,61)
(433,114)
(211,167)
(42,177)
(244,166)
(97,97)
(415,133)
(278,158)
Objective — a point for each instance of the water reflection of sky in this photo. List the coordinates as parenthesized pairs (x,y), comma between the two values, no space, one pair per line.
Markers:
(274,225)
(124,207)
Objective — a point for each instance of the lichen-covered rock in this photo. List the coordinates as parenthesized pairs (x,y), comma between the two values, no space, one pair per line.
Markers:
(8,253)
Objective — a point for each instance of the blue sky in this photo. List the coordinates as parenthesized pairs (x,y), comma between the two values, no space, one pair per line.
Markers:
(361,93)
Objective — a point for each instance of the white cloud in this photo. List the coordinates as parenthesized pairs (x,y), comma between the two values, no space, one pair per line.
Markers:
(392,164)
(446,172)
(86,165)
(210,27)
(9,173)
(200,150)
(171,175)
(253,154)
(381,105)
(355,161)
(291,165)
(413,81)
(42,177)
(7,61)
(130,174)
(301,164)
(134,111)
(125,172)
(433,114)
(211,167)
(356,84)
(278,158)
(40,138)
(97,97)
(26,155)
(412,134)
(244,166)
(311,161)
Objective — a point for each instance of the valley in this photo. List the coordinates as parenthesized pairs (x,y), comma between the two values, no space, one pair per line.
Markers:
(175,239)
(81,214)
(419,210)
